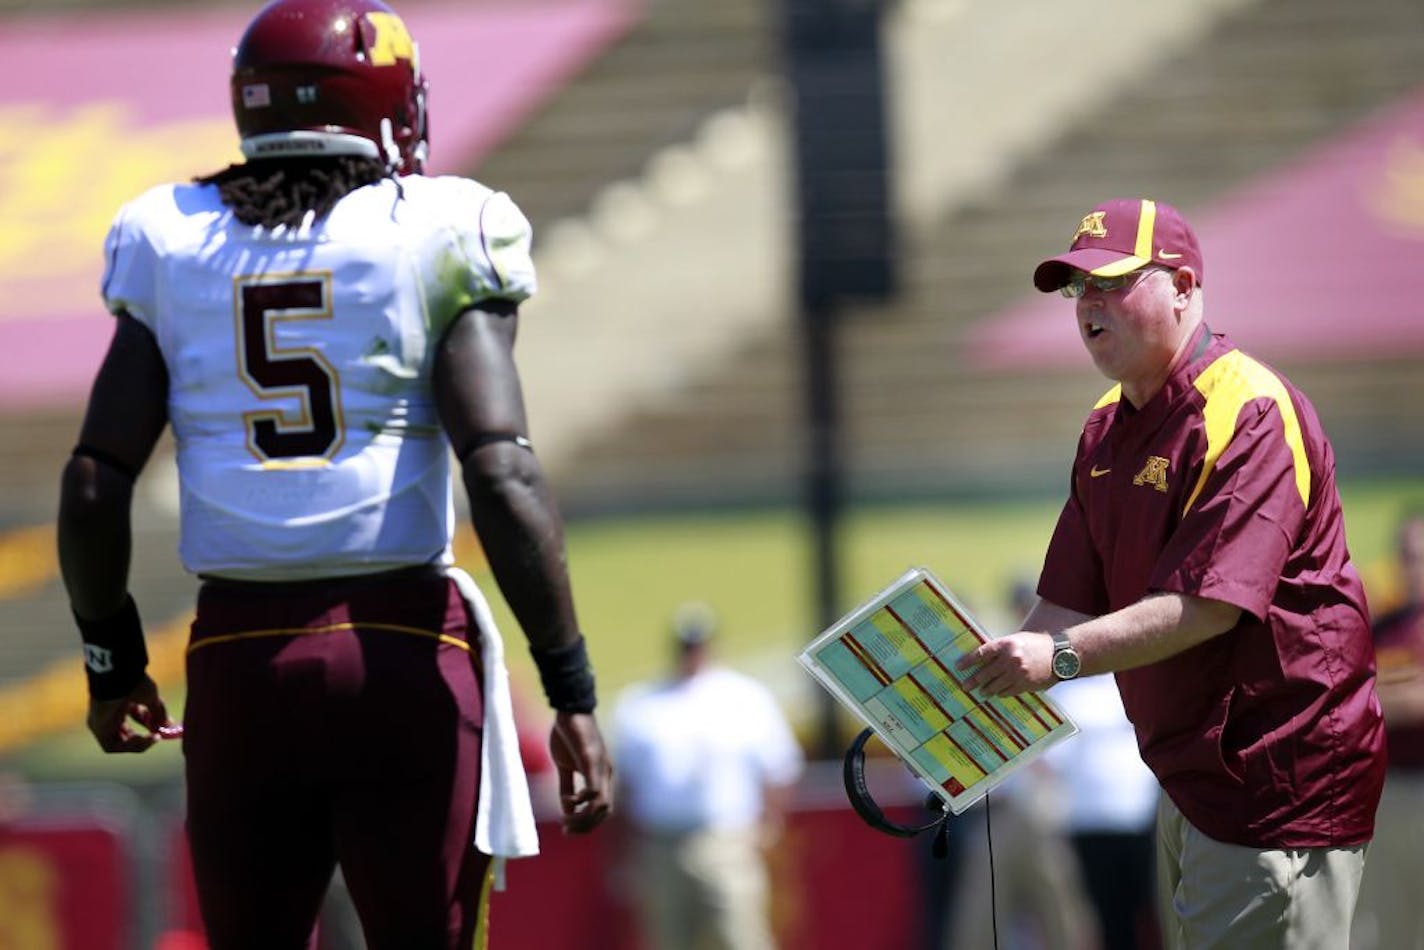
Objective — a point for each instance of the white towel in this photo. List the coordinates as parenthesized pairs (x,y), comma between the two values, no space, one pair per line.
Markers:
(504,824)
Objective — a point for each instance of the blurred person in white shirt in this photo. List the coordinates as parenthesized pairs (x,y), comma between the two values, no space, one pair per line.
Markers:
(707,762)
(1109,797)
(1021,857)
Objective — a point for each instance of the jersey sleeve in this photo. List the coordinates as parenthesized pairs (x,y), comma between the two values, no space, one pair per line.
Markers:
(1242,520)
(506,237)
(495,245)
(129,282)
(484,251)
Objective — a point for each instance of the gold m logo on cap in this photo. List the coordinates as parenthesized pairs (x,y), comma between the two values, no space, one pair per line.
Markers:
(1092,225)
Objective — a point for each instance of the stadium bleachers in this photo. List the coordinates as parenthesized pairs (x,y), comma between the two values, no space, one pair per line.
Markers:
(661,361)
(666,370)
(1261,85)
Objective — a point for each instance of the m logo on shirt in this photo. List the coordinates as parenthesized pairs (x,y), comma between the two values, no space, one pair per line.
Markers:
(1154,473)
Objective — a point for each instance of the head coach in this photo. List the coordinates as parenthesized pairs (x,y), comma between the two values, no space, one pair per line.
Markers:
(1201,558)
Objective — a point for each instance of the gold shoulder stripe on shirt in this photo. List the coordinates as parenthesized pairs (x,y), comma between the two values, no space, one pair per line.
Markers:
(1229,384)
(1111,396)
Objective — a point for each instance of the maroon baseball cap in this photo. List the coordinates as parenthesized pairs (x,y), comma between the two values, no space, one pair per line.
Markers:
(1118,237)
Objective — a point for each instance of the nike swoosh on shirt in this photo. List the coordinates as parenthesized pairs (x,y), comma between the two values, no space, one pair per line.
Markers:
(1096,472)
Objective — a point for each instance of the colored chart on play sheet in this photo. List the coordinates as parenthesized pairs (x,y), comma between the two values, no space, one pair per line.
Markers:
(892,662)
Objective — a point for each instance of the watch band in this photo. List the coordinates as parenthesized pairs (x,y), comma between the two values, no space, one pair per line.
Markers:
(1065,663)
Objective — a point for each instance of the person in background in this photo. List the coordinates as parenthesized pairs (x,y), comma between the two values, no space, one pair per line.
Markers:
(1391,913)
(320,325)
(1040,895)
(1109,804)
(1201,557)
(707,765)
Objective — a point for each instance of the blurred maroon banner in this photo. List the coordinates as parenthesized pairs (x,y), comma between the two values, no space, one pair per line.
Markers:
(64,885)
(1317,261)
(835,883)
(97,107)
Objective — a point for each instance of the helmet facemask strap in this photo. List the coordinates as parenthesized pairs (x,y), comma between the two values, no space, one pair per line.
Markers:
(394,159)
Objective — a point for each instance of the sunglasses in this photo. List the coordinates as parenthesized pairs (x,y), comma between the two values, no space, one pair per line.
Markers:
(1078,286)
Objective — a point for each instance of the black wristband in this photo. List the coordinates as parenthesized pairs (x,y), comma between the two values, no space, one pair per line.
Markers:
(115,657)
(567,677)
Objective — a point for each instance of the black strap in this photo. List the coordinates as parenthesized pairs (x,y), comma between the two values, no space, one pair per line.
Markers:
(490,438)
(106,458)
(860,799)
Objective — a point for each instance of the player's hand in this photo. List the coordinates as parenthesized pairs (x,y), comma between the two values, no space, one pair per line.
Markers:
(110,720)
(585,771)
(1010,665)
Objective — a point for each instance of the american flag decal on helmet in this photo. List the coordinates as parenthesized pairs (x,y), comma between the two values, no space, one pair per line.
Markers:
(256,96)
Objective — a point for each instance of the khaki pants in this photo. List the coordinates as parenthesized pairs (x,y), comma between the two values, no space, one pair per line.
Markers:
(705,889)
(1391,911)
(1216,895)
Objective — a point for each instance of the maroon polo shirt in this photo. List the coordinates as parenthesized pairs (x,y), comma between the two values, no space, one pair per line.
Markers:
(1223,486)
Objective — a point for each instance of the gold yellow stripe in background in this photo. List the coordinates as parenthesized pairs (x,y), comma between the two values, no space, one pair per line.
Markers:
(27,561)
(56,699)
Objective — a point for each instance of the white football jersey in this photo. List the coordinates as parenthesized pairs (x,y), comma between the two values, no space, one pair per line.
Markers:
(299,366)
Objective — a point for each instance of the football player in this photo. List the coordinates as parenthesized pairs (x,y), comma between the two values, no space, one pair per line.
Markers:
(320,325)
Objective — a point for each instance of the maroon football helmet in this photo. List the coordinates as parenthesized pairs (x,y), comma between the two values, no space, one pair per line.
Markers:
(330,77)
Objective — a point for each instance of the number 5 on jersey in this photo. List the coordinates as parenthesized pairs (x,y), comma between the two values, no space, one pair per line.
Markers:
(314,429)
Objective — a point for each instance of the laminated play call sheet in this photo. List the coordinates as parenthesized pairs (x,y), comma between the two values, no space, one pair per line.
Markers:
(891,662)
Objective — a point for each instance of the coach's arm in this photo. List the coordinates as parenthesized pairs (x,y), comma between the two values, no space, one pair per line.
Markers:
(1156,627)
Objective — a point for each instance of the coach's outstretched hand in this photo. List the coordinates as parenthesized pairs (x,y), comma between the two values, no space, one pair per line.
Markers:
(578,750)
(109,719)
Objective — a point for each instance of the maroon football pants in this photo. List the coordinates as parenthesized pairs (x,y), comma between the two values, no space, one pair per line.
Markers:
(335,722)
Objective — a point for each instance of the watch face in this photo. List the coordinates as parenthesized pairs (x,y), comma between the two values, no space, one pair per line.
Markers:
(1066,664)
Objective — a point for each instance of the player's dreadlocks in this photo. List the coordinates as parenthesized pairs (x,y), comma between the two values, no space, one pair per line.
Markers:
(280,191)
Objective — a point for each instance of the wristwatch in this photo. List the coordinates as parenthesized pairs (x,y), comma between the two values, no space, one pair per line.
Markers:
(1066,662)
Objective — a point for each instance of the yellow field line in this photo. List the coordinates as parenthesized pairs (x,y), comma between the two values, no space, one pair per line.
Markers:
(27,561)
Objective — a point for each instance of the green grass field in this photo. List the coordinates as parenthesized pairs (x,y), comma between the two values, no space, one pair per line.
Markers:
(754,568)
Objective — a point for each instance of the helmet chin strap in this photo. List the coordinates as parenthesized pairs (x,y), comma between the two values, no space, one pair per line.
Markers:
(388,140)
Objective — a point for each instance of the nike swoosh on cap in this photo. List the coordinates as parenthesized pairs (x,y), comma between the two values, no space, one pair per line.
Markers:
(1162,253)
